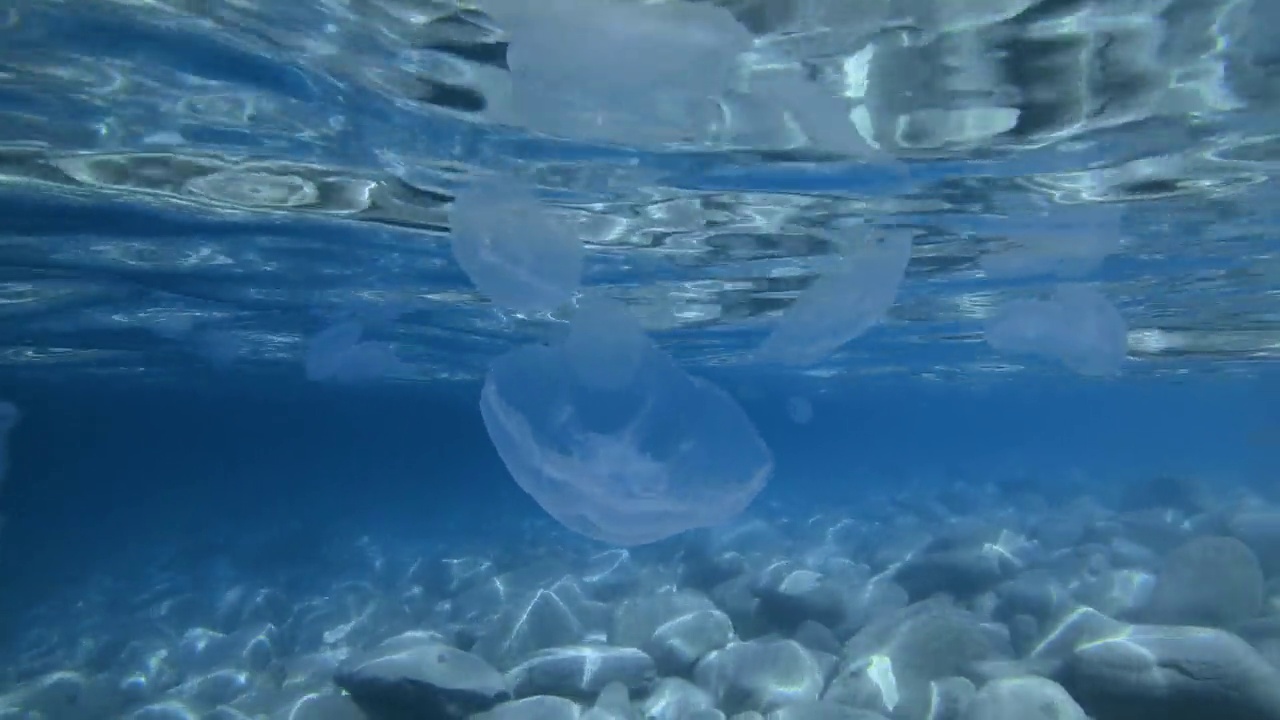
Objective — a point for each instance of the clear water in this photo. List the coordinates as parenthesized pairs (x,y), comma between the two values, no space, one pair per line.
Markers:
(191,191)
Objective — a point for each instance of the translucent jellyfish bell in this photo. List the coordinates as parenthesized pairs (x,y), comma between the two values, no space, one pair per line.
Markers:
(625,72)
(1078,326)
(337,354)
(844,303)
(513,248)
(626,456)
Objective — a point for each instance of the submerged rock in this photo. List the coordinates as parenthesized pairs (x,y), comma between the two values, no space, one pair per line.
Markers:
(405,679)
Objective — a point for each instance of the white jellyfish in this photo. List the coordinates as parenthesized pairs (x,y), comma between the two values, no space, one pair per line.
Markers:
(629,452)
(1078,326)
(513,248)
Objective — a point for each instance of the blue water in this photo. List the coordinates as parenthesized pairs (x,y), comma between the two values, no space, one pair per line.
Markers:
(189,191)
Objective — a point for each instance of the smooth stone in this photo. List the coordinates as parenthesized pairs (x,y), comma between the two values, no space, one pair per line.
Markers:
(613,703)
(166,710)
(950,698)
(325,707)
(889,666)
(542,619)
(679,643)
(760,675)
(737,599)
(821,710)
(1023,698)
(789,596)
(1151,672)
(582,671)
(675,699)
(1260,530)
(537,707)
(1118,593)
(66,694)
(403,683)
(610,575)
(1210,582)
(817,637)
(636,619)
(1187,495)
(961,573)
(1036,594)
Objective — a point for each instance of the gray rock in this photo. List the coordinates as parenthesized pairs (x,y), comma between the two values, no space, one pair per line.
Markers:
(538,707)
(821,710)
(167,710)
(610,575)
(1023,698)
(582,671)
(737,599)
(817,637)
(226,713)
(1160,530)
(324,707)
(490,597)
(790,595)
(452,576)
(203,651)
(542,619)
(1062,636)
(1209,581)
(1260,530)
(703,569)
(220,687)
(66,696)
(1036,593)
(637,619)
(1024,634)
(1126,553)
(962,573)
(760,675)
(1118,593)
(951,698)
(1186,495)
(395,682)
(679,643)
(613,703)
(889,665)
(1172,673)
(1264,635)
(675,699)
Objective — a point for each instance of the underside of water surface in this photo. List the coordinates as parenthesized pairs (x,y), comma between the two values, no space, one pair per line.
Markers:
(623,359)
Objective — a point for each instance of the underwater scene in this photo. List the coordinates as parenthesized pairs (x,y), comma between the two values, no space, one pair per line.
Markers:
(639,360)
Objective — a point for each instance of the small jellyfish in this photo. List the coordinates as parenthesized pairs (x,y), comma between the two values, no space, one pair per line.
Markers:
(844,303)
(1078,326)
(618,72)
(337,354)
(627,455)
(513,248)
(799,409)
